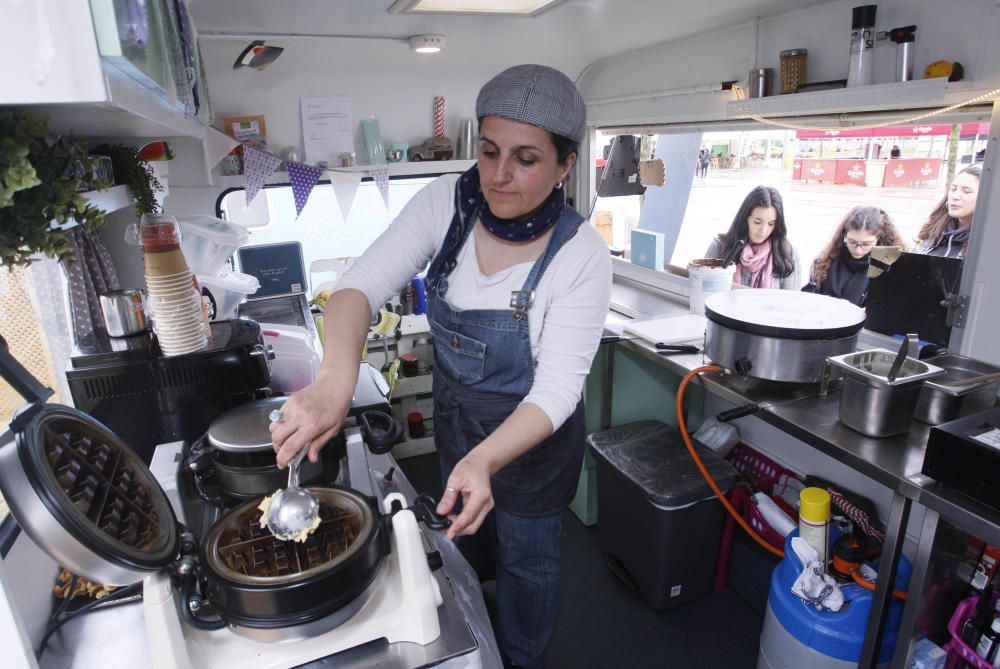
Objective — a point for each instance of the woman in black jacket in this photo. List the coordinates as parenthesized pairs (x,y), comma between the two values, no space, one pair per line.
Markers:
(841,270)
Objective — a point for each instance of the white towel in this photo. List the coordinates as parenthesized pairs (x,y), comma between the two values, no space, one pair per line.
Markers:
(814,585)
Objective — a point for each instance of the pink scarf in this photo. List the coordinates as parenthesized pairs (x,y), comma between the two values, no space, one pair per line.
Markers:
(756,259)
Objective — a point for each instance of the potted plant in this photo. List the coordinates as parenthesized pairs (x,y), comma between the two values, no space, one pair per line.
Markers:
(39,179)
(135,173)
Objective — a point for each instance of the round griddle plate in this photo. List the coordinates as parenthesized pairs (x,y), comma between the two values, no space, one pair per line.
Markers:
(245,428)
(784,314)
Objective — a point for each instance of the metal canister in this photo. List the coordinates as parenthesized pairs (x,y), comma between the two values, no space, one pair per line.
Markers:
(759,82)
(793,70)
(123,311)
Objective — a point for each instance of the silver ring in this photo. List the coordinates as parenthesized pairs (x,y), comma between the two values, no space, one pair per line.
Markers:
(274,416)
(450,489)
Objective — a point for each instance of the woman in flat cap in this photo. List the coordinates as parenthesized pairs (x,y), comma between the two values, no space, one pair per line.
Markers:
(517,293)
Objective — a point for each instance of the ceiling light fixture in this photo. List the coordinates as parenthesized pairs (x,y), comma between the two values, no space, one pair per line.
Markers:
(427,43)
(505,7)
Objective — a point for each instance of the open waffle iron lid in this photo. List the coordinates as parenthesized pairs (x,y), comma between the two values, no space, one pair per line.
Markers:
(80,492)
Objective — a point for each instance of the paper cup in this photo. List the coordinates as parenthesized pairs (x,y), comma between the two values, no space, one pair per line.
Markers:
(164,263)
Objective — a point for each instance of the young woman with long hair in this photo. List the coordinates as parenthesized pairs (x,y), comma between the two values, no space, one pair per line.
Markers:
(946,232)
(841,270)
(767,259)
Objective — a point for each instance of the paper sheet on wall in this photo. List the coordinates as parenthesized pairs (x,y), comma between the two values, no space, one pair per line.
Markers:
(326,128)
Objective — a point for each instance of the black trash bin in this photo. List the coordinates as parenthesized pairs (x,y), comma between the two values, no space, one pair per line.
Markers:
(658,521)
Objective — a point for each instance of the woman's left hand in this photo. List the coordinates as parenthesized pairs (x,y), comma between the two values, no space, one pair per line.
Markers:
(471,479)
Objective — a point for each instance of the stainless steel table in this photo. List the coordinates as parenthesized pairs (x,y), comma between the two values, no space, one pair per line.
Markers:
(895,462)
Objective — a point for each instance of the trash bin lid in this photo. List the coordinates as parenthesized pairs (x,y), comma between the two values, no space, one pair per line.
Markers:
(652,455)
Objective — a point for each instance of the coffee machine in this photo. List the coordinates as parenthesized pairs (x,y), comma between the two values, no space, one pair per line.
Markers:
(148,398)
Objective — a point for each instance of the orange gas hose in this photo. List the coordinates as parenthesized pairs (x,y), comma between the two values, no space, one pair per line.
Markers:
(682,425)
(867,585)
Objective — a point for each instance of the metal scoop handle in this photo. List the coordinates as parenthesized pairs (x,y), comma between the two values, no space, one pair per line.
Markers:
(293,466)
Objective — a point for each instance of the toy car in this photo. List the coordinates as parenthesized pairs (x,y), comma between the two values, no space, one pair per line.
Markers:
(435,148)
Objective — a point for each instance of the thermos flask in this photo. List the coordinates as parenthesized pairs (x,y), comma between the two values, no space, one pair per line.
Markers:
(904,40)
(862,45)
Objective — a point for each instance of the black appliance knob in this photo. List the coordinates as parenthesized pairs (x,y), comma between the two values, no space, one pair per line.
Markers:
(743,366)
(434,560)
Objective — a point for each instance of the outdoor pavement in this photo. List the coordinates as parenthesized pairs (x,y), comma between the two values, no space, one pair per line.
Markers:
(812,210)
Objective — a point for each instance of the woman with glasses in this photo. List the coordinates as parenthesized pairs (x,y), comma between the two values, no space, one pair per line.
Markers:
(841,270)
(946,232)
(757,242)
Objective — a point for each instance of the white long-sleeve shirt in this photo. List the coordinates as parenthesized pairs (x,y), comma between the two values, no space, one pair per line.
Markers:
(571,300)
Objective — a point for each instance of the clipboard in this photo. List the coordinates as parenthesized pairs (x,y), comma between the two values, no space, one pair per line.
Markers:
(910,294)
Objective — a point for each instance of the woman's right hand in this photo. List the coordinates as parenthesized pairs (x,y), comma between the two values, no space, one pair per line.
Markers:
(312,416)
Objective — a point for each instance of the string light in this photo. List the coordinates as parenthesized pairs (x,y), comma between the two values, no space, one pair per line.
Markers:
(991,95)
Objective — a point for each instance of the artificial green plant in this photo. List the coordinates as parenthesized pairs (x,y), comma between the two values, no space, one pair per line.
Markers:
(39,176)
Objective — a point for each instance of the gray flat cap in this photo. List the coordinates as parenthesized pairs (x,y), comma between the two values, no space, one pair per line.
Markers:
(537,95)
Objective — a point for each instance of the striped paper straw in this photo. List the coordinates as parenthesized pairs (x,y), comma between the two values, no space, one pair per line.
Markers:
(439,116)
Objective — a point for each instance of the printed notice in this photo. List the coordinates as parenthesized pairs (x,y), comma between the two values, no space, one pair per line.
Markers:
(991,438)
(326,129)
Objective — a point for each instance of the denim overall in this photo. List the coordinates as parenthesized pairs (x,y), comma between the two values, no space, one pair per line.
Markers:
(483,368)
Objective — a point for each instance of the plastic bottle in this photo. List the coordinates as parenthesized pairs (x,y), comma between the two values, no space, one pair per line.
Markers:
(987,646)
(775,517)
(814,520)
(862,45)
(975,626)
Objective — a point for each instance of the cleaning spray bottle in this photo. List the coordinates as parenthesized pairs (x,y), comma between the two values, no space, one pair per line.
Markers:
(814,520)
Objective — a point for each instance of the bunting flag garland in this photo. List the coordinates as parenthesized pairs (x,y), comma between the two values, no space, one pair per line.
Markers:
(257,168)
(303,179)
(345,186)
(380,174)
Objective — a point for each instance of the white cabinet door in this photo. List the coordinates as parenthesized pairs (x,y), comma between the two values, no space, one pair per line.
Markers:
(50,53)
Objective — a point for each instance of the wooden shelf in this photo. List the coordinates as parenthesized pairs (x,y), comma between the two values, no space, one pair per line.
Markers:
(425,167)
(112,199)
(876,97)
(109,200)
(407,386)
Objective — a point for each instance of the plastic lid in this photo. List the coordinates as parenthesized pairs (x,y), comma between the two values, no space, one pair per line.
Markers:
(235,281)
(651,455)
(863,16)
(793,52)
(814,505)
(213,228)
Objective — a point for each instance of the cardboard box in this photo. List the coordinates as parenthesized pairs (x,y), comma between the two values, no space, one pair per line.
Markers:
(604,222)
(647,249)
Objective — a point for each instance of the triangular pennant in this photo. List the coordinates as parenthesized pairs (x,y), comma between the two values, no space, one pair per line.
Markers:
(380,174)
(257,168)
(303,178)
(345,187)
(218,145)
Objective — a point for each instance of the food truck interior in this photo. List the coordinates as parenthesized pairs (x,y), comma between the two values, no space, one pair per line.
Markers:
(793,466)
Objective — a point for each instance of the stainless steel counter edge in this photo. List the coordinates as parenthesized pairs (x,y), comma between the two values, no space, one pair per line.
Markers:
(797,410)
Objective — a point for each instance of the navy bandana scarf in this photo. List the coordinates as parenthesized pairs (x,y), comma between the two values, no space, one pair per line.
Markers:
(472,201)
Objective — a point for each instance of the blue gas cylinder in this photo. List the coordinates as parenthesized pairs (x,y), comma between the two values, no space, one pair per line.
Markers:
(797,635)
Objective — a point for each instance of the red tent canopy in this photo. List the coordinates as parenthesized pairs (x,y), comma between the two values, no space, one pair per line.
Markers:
(918,130)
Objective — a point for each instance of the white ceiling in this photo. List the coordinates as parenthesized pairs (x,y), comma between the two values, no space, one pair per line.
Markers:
(572,35)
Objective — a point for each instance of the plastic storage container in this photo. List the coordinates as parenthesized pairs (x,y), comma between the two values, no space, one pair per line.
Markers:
(225,290)
(940,403)
(797,635)
(296,363)
(207,242)
(658,521)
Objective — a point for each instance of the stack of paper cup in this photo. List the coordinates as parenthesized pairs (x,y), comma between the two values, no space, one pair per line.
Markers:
(174,302)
